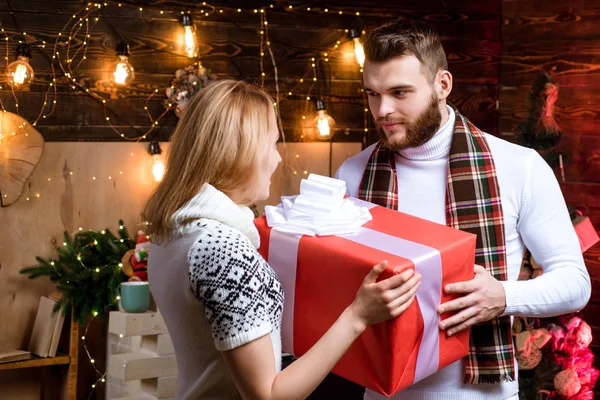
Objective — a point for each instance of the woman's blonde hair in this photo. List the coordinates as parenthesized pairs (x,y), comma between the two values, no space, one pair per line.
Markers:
(219,141)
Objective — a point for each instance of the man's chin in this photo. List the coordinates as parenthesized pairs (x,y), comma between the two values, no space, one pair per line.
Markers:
(394,145)
(395,136)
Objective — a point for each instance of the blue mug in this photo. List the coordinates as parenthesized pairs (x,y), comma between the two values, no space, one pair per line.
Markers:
(135,296)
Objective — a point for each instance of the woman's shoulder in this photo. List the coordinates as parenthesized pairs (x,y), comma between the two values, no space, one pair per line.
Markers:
(216,237)
(242,296)
(220,249)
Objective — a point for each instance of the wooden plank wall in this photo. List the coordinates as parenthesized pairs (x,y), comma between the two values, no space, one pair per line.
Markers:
(230,47)
(562,38)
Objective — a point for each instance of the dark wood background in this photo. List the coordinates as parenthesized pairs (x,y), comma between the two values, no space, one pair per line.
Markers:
(229,47)
(562,38)
(494,50)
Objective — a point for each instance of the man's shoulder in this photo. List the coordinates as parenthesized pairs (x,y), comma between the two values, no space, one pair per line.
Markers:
(508,154)
(352,170)
(363,154)
(356,162)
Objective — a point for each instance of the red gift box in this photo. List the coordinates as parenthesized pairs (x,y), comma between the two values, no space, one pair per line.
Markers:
(321,276)
(585,232)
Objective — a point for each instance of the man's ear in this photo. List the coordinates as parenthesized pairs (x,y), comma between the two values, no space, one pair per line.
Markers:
(443,84)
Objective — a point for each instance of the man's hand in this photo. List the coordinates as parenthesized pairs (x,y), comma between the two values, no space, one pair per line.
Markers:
(483,300)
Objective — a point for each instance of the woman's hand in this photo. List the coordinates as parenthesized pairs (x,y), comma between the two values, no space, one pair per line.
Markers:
(379,301)
(252,365)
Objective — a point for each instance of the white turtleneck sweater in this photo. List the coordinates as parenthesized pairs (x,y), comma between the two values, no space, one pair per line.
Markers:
(214,291)
(535,217)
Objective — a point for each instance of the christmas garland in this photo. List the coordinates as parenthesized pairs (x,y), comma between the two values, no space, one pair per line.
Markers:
(87,271)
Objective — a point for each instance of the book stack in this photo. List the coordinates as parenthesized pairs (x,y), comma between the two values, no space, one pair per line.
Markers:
(47,329)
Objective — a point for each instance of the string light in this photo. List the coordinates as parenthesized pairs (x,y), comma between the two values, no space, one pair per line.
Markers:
(37,194)
(102,377)
(68,69)
(73,57)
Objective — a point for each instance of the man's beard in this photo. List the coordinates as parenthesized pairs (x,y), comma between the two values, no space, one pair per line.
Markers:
(418,132)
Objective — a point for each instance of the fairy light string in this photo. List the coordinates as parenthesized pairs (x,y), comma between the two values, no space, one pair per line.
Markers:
(101,376)
(82,23)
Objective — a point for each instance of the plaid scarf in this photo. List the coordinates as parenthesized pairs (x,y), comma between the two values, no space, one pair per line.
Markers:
(472,205)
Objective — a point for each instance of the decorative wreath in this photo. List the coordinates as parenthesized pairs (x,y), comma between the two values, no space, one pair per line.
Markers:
(187,82)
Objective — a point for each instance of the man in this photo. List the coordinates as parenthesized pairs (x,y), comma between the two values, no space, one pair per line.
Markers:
(433,163)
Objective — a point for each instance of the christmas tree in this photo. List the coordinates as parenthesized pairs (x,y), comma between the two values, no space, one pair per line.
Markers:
(87,270)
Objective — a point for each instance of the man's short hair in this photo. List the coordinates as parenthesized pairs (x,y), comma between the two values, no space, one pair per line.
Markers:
(407,37)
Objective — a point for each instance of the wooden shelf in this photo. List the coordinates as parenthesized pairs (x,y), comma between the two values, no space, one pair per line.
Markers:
(63,366)
(35,361)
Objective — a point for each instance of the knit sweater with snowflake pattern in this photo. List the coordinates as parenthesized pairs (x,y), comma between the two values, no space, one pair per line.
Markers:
(214,291)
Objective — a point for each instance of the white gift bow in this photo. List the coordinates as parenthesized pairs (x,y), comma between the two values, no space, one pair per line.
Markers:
(319,209)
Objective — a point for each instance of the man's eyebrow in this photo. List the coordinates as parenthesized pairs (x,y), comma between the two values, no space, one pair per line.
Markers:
(401,87)
(398,87)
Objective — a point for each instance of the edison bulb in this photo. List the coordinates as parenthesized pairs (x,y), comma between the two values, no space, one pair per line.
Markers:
(359,52)
(158,168)
(123,72)
(20,72)
(324,124)
(190,41)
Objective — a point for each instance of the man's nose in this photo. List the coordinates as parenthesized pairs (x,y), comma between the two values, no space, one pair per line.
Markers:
(385,107)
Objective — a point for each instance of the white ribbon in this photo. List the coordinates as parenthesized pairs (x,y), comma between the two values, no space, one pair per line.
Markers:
(283,258)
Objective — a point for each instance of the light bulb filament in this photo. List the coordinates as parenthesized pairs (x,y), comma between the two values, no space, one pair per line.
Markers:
(359,52)
(323,124)
(323,127)
(190,41)
(121,73)
(158,168)
(20,74)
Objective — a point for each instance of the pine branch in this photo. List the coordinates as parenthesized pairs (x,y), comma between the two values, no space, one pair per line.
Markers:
(86,271)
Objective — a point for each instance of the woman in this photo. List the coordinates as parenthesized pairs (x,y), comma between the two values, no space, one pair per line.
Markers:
(221,301)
